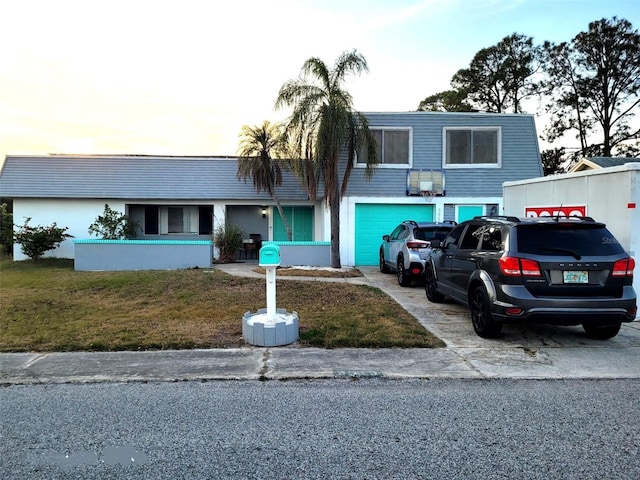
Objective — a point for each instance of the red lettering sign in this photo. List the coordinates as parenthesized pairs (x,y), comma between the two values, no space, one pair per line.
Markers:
(563,211)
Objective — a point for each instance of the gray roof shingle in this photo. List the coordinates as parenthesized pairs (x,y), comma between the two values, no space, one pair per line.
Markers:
(133,177)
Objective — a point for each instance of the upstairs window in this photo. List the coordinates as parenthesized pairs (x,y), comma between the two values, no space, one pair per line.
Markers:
(393,148)
(472,147)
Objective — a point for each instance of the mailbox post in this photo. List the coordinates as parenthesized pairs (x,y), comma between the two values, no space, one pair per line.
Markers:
(270,259)
(270,327)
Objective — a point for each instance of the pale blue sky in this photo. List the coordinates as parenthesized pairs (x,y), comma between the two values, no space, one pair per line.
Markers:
(182,77)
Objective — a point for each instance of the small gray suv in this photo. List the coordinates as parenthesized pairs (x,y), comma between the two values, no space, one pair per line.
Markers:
(557,270)
(404,250)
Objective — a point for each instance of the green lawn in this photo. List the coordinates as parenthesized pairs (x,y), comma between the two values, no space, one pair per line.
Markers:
(48,306)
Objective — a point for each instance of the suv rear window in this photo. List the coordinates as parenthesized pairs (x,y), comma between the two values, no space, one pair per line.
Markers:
(431,233)
(554,239)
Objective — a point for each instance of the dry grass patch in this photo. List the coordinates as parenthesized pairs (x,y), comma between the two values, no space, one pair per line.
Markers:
(50,307)
(321,272)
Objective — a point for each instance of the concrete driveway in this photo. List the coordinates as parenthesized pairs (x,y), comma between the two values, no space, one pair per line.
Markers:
(522,350)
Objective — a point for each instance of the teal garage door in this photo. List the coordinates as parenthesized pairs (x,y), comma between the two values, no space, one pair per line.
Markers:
(375,220)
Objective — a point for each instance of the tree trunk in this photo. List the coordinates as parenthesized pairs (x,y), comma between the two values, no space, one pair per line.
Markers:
(272,192)
(334,211)
(284,218)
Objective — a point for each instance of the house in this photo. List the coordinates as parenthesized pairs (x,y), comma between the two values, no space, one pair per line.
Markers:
(432,166)
(594,163)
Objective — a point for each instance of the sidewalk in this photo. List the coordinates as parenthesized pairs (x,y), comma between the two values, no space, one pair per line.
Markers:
(536,352)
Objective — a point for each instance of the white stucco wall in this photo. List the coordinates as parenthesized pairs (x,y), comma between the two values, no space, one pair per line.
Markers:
(77,215)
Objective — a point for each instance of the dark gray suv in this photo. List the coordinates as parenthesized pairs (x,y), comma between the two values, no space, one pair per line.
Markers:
(557,270)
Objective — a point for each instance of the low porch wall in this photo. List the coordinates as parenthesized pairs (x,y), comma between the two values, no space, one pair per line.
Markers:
(310,254)
(106,255)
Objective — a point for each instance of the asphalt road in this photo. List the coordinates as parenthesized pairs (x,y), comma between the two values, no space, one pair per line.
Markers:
(356,429)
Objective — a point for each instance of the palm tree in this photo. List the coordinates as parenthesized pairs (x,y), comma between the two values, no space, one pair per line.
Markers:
(256,146)
(323,126)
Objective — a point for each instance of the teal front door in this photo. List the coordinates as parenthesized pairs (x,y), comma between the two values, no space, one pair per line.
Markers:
(467,212)
(300,221)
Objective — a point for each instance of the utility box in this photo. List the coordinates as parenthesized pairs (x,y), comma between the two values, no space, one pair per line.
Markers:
(269,256)
(610,195)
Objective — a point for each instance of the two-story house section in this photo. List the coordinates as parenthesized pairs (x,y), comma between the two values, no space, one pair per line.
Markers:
(434,166)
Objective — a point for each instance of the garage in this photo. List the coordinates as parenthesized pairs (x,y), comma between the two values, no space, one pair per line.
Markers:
(373,220)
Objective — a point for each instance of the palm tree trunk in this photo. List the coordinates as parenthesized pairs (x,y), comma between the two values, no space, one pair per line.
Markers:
(272,192)
(334,212)
(283,217)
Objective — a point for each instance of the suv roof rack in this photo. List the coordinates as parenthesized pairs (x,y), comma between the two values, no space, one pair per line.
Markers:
(556,218)
(444,222)
(505,218)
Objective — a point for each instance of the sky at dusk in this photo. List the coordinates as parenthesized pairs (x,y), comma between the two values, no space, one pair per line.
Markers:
(182,77)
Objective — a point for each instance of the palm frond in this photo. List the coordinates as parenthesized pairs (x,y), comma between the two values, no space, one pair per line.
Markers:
(351,62)
(317,69)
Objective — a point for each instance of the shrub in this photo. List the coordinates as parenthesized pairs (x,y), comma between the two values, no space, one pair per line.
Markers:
(6,230)
(37,240)
(228,240)
(112,225)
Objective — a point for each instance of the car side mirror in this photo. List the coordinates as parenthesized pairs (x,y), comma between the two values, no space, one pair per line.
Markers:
(385,238)
(436,243)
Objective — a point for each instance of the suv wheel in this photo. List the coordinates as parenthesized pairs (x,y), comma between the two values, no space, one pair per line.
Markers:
(383,266)
(403,276)
(483,322)
(430,287)
(601,333)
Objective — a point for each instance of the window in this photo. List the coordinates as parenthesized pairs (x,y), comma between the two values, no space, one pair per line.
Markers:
(428,234)
(393,148)
(176,220)
(472,147)
(399,233)
(451,240)
(491,238)
(471,238)
(173,219)
(151,220)
(205,220)
(581,240)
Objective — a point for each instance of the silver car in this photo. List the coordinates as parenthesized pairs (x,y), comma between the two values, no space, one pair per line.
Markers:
(405,249)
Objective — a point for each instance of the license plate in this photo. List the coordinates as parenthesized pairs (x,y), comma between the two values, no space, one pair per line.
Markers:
(572,276)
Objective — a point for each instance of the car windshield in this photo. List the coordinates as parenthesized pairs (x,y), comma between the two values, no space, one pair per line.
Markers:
(574,240)
(431,233)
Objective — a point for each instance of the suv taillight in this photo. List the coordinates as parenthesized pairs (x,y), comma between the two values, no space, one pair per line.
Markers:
(519,267)
(623,268)
(415,245)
